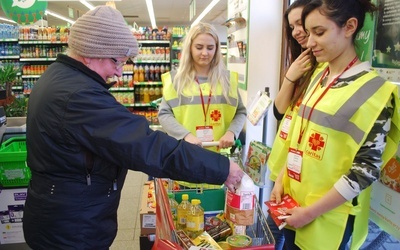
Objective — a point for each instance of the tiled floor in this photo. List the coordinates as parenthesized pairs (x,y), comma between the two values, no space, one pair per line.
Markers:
(378,240)
(128,213)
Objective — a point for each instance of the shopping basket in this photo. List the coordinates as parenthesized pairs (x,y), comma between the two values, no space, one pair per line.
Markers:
(13,169)
(166,233)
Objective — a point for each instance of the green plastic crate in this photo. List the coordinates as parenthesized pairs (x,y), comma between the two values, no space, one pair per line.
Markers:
(14,171)
(211,199)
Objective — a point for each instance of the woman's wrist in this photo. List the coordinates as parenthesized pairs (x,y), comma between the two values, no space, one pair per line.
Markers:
(294,82)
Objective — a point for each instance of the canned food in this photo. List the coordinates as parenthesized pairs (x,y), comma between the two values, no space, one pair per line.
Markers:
(239,240)
(224,245)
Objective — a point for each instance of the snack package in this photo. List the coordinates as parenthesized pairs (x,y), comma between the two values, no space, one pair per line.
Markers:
(259,107)
(278,211)
(184,240)
(390,175)
(256,162)
(204,240)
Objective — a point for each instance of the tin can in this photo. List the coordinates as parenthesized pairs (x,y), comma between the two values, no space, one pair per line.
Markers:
(239,241)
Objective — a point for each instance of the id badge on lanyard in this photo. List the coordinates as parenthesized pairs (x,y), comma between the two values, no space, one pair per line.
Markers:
(285,127)
(205,133)
(295,159)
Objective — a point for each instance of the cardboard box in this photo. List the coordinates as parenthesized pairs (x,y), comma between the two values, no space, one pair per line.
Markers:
(147,210)
(12,203)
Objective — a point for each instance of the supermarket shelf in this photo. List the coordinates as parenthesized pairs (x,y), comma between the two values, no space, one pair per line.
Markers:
(10,57)
(37,59)
(42,42)
(30,76)
(9,40)
(153,41)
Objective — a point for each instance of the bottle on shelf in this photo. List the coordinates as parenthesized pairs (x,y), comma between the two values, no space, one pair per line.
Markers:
(173,205)
(135,74)
(146,96)
(146,73)
(182,212)
(137,93)
(141,74)
(141,91)
(195,219)
(151,93)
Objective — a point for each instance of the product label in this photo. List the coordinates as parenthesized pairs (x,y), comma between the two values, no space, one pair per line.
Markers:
(195,222)
(242,201)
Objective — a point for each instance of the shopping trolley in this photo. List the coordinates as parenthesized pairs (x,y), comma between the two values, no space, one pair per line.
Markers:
(167,236)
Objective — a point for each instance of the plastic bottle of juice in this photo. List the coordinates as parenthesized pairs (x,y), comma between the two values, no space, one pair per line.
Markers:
(195,219)
(182,212)
(173,204)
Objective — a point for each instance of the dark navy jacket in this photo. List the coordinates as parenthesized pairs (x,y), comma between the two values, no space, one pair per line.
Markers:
(80,144)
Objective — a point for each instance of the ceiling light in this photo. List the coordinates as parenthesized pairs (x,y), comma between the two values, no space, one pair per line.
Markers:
(111,4)
(51,13)
(7,20)
(205,12)
(87,4)
(150,9)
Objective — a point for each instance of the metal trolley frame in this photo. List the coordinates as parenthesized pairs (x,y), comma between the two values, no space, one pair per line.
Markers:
(166,233)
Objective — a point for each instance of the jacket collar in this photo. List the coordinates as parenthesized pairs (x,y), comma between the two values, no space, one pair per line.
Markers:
(61,58)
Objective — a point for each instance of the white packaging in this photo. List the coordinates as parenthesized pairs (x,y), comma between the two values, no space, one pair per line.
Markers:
(12,203)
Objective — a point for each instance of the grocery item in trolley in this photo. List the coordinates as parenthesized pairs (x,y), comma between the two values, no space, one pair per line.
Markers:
(240,205)
(278,211)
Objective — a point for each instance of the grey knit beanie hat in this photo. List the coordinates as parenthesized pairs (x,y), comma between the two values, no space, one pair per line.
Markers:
(102,33)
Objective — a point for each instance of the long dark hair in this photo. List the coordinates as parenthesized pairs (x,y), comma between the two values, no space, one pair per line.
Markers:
(294,49)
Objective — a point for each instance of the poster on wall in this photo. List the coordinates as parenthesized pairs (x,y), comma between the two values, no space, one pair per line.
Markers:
(385,199)
(385,58)
(24,12)
(364,41)
(386,51)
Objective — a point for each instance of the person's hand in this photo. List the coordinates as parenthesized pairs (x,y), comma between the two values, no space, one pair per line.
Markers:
(300,66)
(234,177)
(299,217)
(227,140)
(192,139)
(277,193)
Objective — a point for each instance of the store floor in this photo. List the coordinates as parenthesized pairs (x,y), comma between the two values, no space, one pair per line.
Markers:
(128,213)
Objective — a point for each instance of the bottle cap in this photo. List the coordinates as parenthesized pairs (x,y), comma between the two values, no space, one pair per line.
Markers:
(195,201)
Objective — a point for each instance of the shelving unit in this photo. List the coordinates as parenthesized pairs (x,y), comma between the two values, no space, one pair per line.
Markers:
(237,30)
(139,85)
(176,47)
(141,81)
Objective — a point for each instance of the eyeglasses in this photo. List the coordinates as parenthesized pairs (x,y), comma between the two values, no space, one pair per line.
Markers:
(117,63)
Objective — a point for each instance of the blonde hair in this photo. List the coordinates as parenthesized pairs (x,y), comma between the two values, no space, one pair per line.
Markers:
(186,73)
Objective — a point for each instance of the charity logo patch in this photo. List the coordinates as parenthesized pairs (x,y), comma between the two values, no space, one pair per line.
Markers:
(316,145)
(215,115)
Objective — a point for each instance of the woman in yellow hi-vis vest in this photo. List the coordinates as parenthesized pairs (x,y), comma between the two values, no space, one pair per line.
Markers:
(292,89)
(346,129)
(200,101)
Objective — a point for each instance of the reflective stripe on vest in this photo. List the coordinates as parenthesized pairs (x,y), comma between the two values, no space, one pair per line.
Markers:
(280,148)
(188,110)
(360,103)
(196,100)
(341,119)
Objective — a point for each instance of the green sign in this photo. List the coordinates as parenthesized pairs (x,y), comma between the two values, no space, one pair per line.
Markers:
(24,11)
(365,39)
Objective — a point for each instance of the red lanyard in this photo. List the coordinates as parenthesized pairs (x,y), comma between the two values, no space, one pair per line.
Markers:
(320,97)
(205,109)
